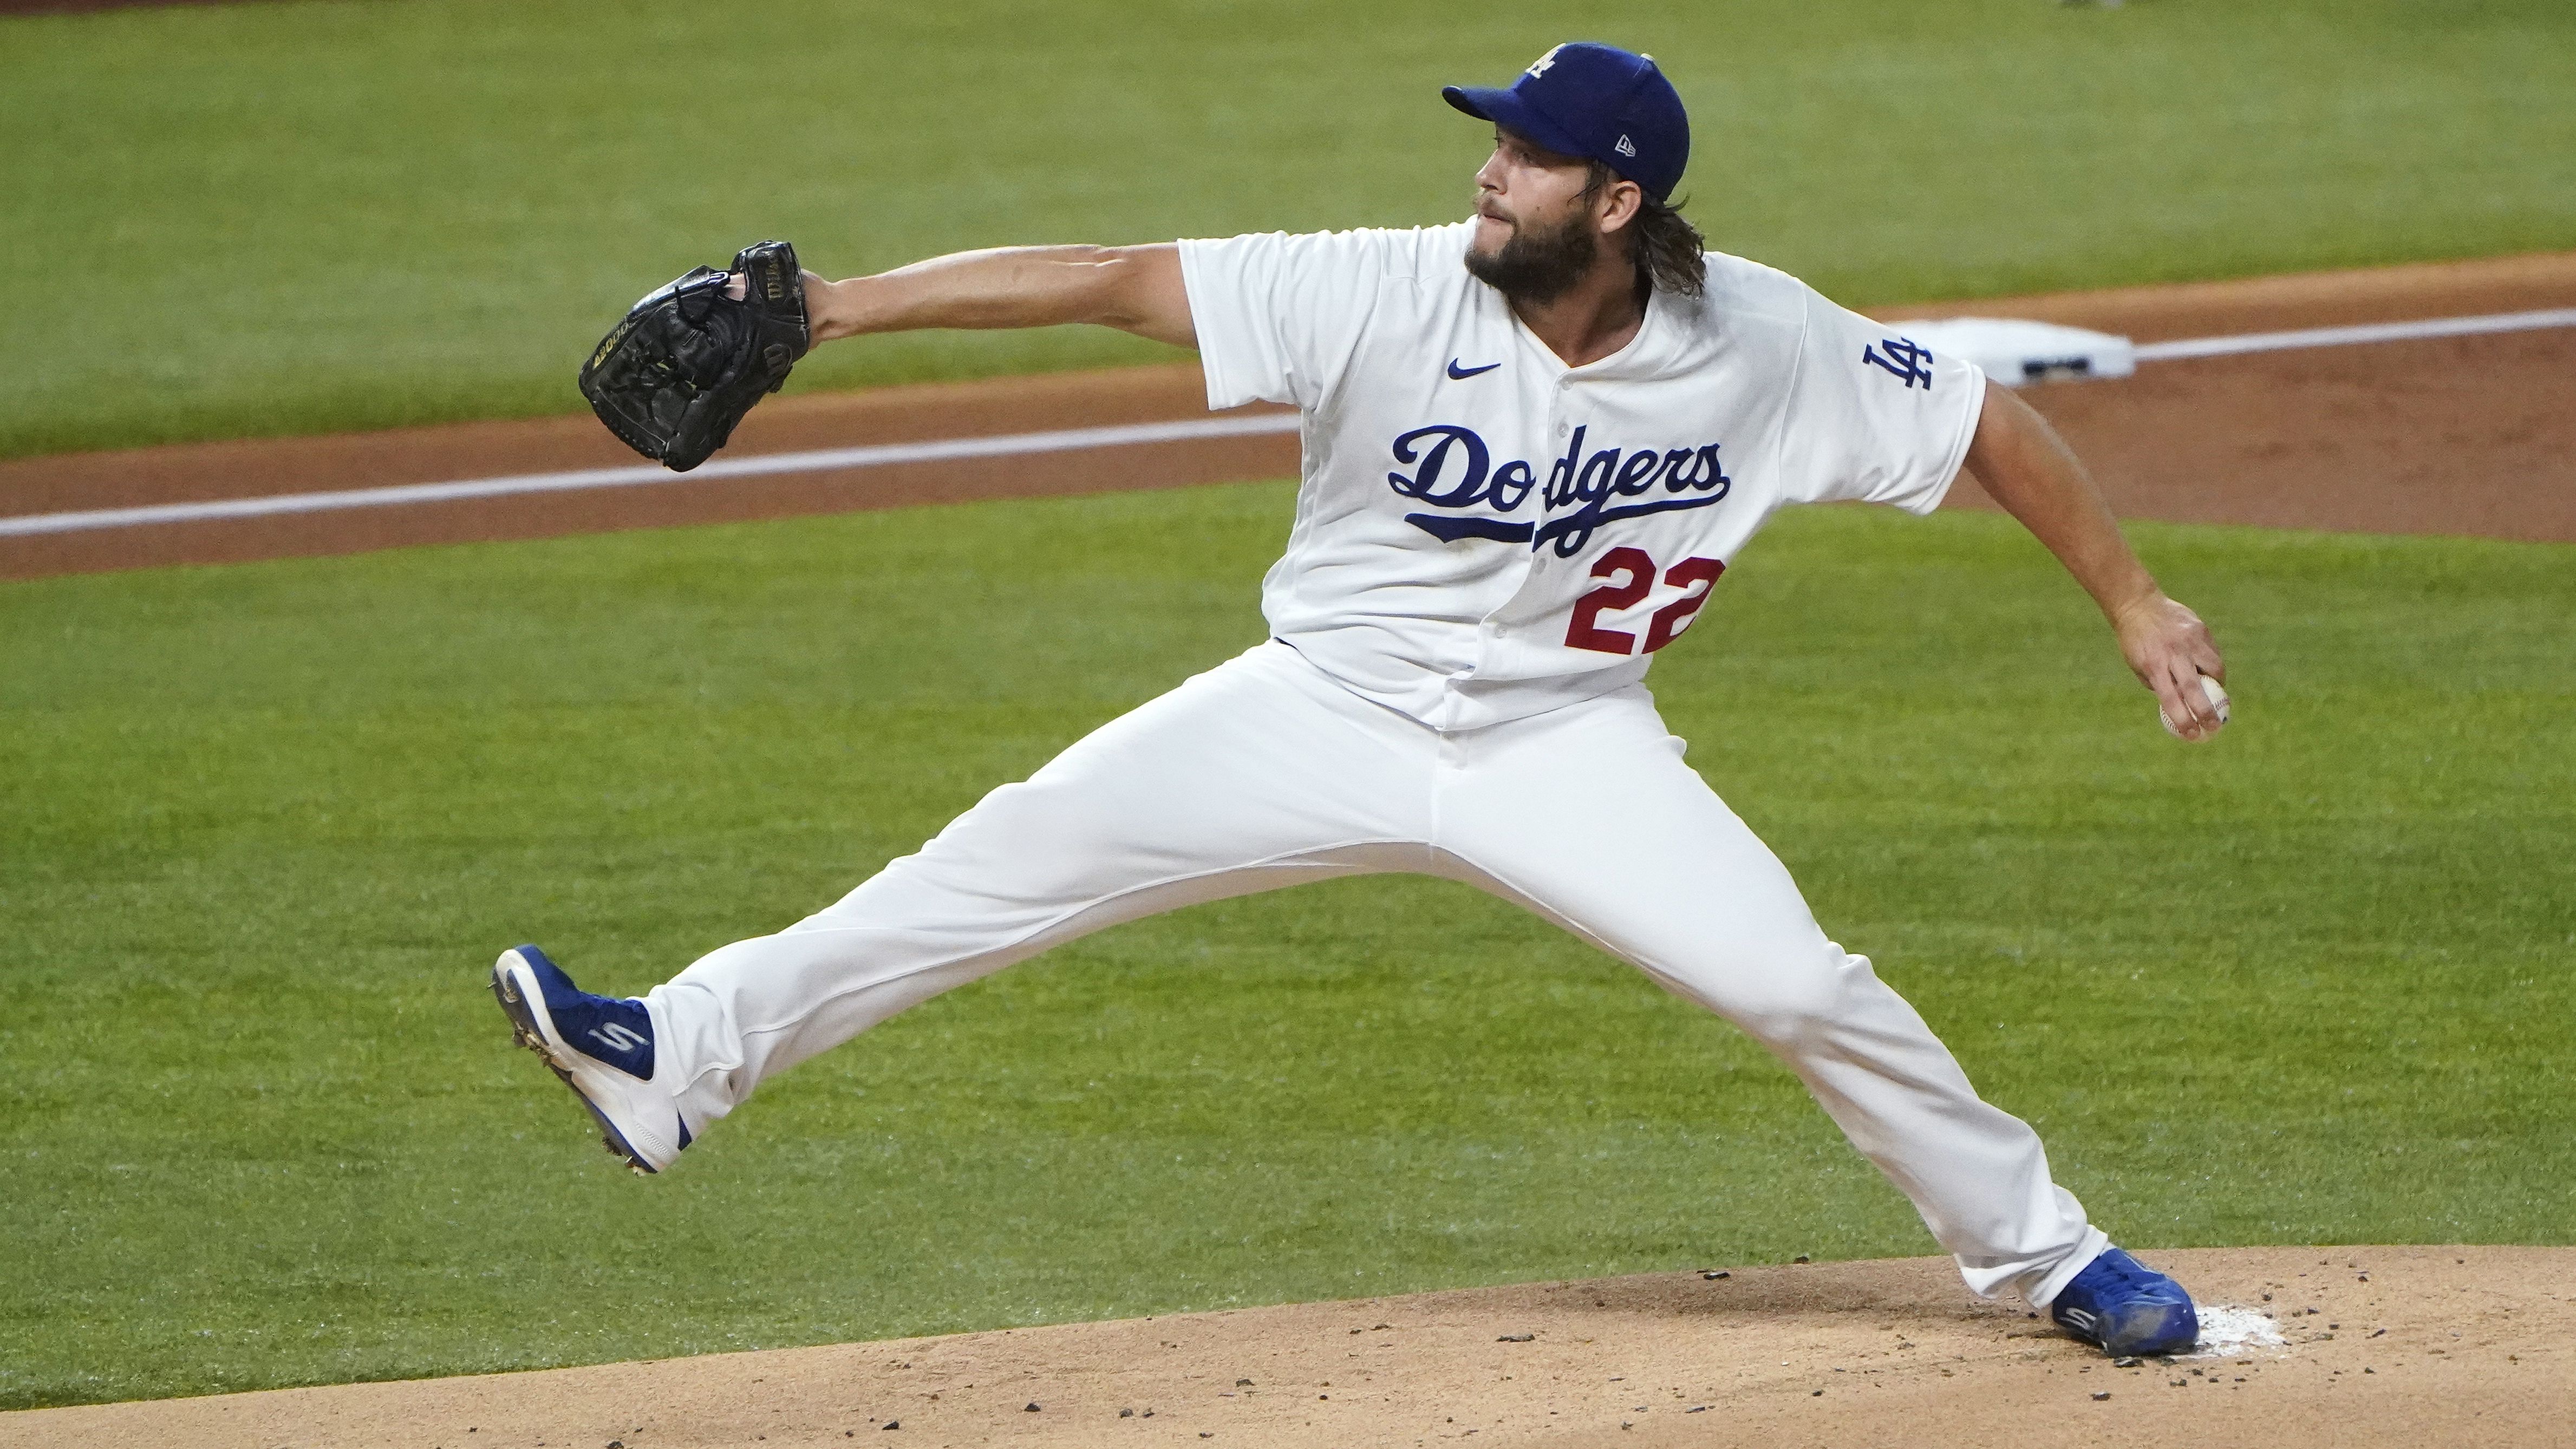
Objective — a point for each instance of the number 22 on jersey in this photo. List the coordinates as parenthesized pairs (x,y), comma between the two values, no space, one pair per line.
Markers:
(1634,575)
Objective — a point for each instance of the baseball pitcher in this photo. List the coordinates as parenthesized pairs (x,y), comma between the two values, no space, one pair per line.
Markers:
(1533,441)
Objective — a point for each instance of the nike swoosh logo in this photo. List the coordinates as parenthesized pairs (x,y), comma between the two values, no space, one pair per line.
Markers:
(1461,374)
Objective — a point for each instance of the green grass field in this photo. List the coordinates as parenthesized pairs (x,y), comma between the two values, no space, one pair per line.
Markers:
(263,827)
(306,217)
(267,825)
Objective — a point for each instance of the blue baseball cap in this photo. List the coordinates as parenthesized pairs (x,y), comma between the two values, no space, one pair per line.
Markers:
(1598,102)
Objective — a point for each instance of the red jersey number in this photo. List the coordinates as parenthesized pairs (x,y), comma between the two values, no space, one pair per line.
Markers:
(1583,631)
(1635,575)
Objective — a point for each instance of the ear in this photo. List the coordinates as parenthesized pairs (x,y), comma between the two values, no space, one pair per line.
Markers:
(1617,205)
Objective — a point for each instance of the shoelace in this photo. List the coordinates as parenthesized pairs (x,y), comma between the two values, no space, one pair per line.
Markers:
(2137,1280)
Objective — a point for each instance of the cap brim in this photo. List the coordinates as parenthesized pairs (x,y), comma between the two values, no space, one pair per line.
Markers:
(1509,111)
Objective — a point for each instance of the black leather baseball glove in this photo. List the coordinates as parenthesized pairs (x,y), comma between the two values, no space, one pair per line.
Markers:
(674,376)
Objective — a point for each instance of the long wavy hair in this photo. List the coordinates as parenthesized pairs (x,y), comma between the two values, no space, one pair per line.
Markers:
(1664,245)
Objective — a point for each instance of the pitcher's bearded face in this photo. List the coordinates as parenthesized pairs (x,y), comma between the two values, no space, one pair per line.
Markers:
(1535,234)
(1535,263)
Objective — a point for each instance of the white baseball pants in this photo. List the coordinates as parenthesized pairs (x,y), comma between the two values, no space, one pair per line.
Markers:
(1264,773)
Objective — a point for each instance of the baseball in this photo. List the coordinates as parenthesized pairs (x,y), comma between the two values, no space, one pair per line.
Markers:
(2217,701)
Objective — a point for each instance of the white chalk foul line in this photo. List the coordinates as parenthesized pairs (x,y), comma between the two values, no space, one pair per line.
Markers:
(821,460)
(2346,336)
(1065,440)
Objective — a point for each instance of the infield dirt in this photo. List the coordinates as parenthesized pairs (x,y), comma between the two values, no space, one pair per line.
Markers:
(2466,435)
(2379,1347)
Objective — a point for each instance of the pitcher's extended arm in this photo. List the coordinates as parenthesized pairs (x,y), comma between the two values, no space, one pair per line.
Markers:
(1134,289)
(2028,469)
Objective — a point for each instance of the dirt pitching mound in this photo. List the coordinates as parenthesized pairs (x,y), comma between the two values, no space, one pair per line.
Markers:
(2342,1346)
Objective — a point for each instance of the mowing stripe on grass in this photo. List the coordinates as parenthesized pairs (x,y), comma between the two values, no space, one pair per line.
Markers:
(1073,439)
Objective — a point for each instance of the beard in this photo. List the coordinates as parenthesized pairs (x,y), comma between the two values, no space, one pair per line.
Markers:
(1537,267)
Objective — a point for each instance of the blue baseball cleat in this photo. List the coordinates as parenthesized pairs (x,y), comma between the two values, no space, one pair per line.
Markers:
(601,1046)
(2123,1307)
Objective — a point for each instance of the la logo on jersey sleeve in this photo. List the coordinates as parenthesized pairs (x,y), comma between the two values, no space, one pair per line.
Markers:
(1904,359)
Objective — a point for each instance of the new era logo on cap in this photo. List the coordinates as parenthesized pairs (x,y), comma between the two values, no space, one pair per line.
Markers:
(1595,101)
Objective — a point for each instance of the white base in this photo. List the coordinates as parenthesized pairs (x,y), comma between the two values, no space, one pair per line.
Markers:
(2015,352)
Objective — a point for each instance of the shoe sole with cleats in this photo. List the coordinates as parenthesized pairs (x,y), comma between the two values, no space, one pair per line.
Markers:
(514,986)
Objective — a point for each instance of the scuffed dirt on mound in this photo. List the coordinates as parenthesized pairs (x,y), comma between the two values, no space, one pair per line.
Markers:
(2378,1346)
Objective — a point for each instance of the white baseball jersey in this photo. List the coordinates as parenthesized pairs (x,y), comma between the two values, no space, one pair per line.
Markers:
(1482,532)
(1493,544)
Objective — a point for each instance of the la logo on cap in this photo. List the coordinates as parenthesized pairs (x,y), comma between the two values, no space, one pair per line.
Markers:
(1544,61)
